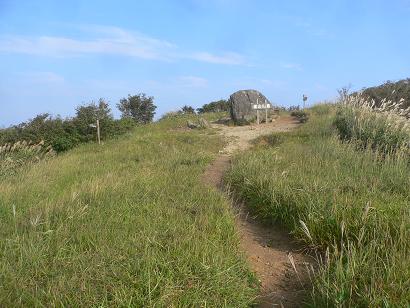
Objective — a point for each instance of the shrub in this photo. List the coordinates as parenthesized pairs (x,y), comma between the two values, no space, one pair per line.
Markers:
(138,107)
(188,110)
(301,115)
(54,131)
(87,115)
(65,134)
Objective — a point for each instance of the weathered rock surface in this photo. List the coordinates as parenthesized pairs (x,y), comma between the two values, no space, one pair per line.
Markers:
(202,123)
(240,104)
(192,125)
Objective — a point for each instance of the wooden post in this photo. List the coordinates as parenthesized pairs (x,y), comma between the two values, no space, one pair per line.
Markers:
(98,132)
(304,101)
(257,111)
(266,112)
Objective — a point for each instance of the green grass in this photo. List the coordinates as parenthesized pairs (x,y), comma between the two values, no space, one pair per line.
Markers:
(127,223)
(350,205)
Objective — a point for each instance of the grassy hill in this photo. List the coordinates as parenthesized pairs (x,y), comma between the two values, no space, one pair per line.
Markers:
(130,223)
(348,199)
(127,223)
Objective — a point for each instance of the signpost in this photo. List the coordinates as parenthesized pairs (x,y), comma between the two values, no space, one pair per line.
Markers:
(258,107)
(304,100)
(98,130)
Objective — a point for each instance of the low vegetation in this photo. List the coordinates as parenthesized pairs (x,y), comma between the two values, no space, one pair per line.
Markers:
(65,134)
(385,128)
(14,156)
(347,202)
(216,106)
(301,115)
(128,223)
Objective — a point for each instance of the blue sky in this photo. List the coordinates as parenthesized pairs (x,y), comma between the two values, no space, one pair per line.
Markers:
(55,55)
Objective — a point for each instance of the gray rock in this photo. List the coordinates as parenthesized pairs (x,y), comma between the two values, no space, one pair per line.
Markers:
(204,123)
(240,104)
(192,125)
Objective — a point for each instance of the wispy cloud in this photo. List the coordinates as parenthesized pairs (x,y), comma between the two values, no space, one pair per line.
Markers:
(291,66)
(116,41)
(110,41)
(226,58)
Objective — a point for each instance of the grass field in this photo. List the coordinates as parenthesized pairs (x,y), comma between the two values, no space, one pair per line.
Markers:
(127,223)
(351,205)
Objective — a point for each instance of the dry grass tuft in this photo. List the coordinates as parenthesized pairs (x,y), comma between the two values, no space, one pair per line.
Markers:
(15,155)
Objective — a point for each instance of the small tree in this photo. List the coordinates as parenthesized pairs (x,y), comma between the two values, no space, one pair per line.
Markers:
(188,109)
(344,92)
(139,107)
(88,114)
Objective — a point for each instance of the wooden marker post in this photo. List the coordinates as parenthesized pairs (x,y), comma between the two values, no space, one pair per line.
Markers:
(258,107)
(257,111)
(266,112)
(98,132)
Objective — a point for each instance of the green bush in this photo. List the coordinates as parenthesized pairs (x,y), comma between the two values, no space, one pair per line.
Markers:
(301,115)
(138,107)
(65,134)
(217,106)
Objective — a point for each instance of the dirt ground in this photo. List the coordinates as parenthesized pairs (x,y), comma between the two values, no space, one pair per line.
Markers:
(276,260)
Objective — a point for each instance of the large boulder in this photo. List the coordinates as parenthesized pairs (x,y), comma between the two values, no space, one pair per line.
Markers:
(240,105)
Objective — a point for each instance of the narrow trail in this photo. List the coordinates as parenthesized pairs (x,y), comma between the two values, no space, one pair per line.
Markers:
(270,250)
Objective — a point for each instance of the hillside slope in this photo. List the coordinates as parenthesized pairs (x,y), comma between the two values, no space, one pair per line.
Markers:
(127,223)
(349,203)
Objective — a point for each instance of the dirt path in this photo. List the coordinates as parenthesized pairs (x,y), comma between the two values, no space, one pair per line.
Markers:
(270,250)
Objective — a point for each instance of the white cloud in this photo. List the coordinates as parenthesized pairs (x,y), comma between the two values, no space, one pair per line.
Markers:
(226,58)
(110,40)
(291,66)
(64,47)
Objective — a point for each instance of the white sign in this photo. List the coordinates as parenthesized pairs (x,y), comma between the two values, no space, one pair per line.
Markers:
(261,106)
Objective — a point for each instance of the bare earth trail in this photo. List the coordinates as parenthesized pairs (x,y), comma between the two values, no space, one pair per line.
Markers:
(269,249)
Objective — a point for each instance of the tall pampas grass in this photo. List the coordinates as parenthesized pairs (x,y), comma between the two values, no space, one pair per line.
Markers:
(15,155)
(384,127)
